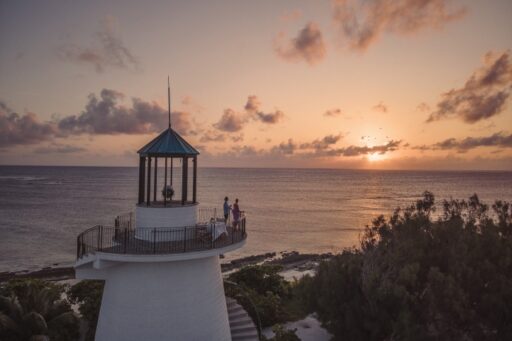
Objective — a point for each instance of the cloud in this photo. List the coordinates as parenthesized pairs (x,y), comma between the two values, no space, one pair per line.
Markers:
(483,96)
(252,107)
(232,121)
(24,129)
(212,136)
(323,143)
(286,148)
(499,139)
(308,46)
(391,146)
(105,115)
(423,107)
(333,112)
(362,23)
(108,50)
(56,148)
(380,107)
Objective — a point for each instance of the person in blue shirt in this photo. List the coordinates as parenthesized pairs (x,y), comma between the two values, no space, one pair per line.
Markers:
(227,208)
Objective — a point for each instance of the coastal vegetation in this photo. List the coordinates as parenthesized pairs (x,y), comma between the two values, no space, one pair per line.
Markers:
(420,276)
(33,309)
(87,295)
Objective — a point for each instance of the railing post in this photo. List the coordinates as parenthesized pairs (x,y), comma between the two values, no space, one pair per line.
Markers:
(98,239)
(185,240)
(78,247)
(213,236)
(125,239)
(154,240)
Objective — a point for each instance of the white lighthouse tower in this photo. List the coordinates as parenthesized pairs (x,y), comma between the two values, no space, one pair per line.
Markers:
(162,273)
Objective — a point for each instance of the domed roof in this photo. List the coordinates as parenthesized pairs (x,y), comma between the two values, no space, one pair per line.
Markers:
(168,143)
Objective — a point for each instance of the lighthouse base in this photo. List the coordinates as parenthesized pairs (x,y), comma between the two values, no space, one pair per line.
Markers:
(177,300)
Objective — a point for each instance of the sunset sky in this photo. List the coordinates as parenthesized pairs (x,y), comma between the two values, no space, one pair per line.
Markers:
(381,84)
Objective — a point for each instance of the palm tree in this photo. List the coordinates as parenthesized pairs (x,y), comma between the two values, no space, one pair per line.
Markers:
(34,311)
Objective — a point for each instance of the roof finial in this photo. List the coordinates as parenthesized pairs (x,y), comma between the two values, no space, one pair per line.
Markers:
(169,98)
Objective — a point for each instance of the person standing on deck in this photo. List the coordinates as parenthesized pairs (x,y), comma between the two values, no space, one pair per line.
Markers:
(236,214)
(227,208)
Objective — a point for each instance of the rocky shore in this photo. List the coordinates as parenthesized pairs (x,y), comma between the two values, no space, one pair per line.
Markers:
(289,260)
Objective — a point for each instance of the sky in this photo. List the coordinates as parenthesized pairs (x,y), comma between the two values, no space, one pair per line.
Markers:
(359,84)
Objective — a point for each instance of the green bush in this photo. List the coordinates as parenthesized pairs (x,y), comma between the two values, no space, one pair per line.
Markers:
(262,286)
(32,309)
(281,334)
(87,294)
(417,277)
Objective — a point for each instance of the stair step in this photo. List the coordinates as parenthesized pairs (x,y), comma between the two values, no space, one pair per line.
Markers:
(245,337)
(242,329)
(241,325)
(238,315)
(235,309)
(240,322)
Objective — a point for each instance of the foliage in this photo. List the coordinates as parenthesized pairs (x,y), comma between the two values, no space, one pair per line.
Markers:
(421,277)
(262,286)
(281,334)
(32,309)
(87,294)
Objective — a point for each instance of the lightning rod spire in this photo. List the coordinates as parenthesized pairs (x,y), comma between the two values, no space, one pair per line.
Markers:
(169,99)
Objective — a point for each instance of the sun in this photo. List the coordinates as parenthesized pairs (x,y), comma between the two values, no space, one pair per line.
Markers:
(373,157)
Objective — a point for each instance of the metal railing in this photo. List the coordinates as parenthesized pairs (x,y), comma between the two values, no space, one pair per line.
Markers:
(159,240)
(124,221)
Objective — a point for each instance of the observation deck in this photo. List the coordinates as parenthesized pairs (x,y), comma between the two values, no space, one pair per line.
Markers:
(208,234)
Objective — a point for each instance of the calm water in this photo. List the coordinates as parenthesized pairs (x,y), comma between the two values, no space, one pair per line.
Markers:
(42,209)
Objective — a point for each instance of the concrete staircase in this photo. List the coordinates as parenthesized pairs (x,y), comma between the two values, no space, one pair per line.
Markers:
(242,327)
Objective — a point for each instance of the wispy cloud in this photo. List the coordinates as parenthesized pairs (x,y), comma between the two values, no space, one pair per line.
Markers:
(381,107)
(56,148)
(307,46)
(362,23)
(483,96)
(499,139)
(107,51)
(333,112)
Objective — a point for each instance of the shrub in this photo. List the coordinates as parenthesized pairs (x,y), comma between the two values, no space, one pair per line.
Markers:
(87,294)
(34,309)
(422,278)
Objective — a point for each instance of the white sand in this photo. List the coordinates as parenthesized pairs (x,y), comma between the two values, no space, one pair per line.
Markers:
(308,329)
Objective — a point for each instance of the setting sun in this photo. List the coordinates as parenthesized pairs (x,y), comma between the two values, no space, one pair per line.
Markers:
(376,157)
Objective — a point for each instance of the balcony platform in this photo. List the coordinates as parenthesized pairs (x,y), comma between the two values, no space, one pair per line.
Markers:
(158,241)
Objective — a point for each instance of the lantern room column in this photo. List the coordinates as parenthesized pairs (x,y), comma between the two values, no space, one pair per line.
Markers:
(184,183)
(142,176)
(194,184)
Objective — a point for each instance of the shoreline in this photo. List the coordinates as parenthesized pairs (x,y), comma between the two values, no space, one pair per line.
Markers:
(289,260)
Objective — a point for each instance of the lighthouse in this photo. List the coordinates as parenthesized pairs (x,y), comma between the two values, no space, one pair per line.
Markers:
(161,263)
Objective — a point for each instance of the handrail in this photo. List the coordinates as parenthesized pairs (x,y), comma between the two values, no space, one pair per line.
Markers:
(157,240)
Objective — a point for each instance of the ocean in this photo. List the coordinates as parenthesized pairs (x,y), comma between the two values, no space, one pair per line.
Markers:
(43,209)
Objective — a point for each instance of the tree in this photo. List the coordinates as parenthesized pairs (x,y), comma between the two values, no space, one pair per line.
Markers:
(87,294)
(32,309)
(422,277)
